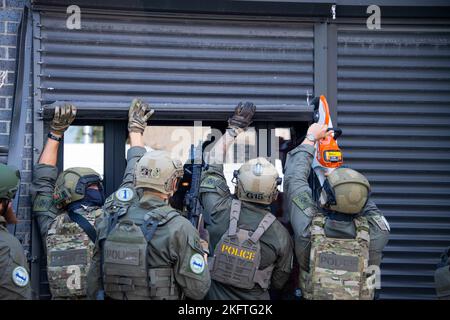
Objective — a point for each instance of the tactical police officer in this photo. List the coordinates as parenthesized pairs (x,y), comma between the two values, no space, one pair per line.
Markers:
(338,242)
(145,249)
(65,208)
(252,251)
(14,272)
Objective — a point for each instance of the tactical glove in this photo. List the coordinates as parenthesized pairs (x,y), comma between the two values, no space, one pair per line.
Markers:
(63,118)
(138,116)
(243,115)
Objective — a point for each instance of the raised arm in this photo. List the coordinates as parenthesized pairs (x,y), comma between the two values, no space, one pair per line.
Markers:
(298,193)
(46,172)
(214,192)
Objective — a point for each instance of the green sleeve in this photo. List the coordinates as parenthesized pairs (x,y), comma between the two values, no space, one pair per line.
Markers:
(214,193)
(133,156)
(94,280)
(283,266)
(191,269)
(298,196)
(42,188)
(379,232)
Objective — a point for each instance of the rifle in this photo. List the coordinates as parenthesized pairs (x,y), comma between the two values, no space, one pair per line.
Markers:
(186,198)
(191,201)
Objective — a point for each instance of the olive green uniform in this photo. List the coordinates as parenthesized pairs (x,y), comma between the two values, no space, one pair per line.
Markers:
(276,244)
(42,188)
(173,244)
(11,257)
(301,209)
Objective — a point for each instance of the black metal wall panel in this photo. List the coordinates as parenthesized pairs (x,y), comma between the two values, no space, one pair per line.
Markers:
(394,108)
(183,64)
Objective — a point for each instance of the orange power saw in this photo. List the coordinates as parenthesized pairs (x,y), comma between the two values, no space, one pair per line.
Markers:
(328,154)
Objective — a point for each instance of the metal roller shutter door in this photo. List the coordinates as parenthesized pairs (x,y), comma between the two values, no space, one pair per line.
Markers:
(394,108)
(180,63)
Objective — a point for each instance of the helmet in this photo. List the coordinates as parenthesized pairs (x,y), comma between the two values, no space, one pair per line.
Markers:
(257,181)
(9,181)
(157,170)
(346,191)
(72,183)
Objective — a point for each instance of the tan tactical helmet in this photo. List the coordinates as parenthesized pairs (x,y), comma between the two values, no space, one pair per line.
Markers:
(349,191)
(157,170)
(257,181)
(72,183)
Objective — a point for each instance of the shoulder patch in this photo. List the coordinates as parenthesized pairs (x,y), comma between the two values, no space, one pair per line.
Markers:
(124,194)
(303,201)
(197,263)
(42,203)
(20,276)
(381,222)
(210,182)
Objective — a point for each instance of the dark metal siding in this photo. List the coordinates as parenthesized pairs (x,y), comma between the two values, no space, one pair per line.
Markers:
(183,64)
(394,108)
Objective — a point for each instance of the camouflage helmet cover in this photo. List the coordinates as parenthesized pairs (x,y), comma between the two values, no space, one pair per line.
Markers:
(257,181)
(157,170)
(72,183)
(351,190)
(10,178)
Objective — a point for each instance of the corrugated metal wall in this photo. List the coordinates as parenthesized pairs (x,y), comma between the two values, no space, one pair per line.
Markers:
(394,108)
(182,63)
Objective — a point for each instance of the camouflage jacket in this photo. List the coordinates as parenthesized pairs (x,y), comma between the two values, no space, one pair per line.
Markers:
(14,272)
(301,209)
(276,243)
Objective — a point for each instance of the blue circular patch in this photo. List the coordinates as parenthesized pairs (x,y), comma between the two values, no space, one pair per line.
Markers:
(125,194)
(20,276)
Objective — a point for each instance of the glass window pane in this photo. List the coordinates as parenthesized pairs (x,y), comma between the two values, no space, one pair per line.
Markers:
(84,147)
(176,140)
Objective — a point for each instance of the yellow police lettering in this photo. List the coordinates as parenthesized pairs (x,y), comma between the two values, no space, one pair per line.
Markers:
(237,252)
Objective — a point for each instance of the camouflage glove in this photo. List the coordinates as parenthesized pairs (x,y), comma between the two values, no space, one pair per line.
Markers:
(63,118)
(138,116)
(243,115)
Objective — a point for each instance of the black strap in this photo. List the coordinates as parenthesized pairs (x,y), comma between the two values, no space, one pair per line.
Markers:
(84,224)
(112,221)
(148,234)
(101,291)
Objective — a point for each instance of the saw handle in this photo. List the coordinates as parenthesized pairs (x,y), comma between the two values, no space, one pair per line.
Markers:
(337,132)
